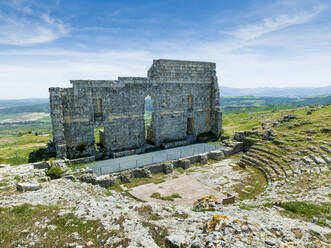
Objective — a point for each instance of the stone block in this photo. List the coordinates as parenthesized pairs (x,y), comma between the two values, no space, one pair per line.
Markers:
(203,159)
(105,181)
(237,147)
(141,172)
(87,178)
(227,152)
(29,186)
(168,168)
(125,177)
(184,163)
(41,165)
(216,155)
(156,168)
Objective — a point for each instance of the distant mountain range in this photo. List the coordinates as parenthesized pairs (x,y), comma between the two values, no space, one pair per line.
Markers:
(22,102)
(276,92)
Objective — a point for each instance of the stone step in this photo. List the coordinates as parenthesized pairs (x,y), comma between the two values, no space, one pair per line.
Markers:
(249,163)
(265,150)
(288,170)
(266,162)
(272,175)
(325,148)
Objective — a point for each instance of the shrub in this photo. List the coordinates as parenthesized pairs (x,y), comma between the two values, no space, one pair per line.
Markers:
(54,172)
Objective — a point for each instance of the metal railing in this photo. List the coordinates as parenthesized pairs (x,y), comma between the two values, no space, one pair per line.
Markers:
(120,164)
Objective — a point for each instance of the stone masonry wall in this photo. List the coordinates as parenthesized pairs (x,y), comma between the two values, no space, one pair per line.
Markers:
(185,96)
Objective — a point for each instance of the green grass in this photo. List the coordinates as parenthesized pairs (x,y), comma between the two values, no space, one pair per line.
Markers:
(172,197)
(17,143)
(256,182)
(24,217)
(308,210)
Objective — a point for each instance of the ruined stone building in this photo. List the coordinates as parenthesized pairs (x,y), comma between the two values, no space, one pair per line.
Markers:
(186,105)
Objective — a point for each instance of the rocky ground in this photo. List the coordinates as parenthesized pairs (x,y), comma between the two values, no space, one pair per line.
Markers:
(282,187)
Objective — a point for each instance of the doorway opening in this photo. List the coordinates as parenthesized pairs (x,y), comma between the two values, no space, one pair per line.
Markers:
(189,130)
(99,138)
(148,119)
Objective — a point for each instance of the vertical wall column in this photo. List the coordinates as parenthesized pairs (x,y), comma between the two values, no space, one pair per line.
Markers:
(216,113)
(56,107)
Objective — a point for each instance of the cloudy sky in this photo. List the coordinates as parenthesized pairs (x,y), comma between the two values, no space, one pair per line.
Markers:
(255,43)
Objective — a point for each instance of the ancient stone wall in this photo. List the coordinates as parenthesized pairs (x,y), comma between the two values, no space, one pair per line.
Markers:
(185,97)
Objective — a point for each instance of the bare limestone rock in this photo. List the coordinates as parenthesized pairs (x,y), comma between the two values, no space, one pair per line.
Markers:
(87,178)
(125,177)
(41,165)
(28,186)
(175,241)
(105,181)
(203,159)
(216,155)
(141,172)
(184,163)
(168,168)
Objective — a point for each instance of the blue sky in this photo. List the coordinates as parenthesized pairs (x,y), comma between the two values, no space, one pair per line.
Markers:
(255,43)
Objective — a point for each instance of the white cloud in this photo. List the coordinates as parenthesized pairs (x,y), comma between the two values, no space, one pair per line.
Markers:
(272,24)
(29,26)
(255,56)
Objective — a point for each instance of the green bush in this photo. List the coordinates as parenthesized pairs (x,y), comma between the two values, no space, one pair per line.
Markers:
(54,172)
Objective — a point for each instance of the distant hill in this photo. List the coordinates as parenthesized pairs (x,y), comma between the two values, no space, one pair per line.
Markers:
(276,92)
(44,108)
(22,102)
(228,103)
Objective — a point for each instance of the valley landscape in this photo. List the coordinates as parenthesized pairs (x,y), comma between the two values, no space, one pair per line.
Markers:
(281,183)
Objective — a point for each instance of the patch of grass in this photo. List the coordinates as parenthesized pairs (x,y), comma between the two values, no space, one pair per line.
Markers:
(308,210)
(127,193)
(158,233)
(172,197)
(116,187)
(256,183)
(20,218)
(180,215)
(180,170)
(156,179)
(147,212)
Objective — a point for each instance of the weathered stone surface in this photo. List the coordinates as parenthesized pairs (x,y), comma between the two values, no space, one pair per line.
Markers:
(203,158)
(105,181)
(186,102)
(41,165)
(237,147)
(87,178)
(29,186)
(82,160)
(168,168)
(207,203)
(125,177)
(216,155)
(326,130)
(141,172)
(175,241)
(279,142)
(184,163)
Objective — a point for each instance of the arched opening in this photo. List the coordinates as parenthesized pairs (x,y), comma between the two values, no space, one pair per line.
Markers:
(148,119)
(99,138)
